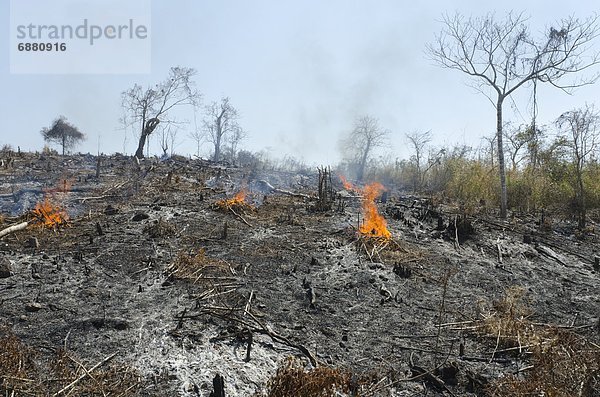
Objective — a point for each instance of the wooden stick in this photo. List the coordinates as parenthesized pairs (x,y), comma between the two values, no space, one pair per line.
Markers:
(70,385)
(247,308)
(13,228)
(282,339)
(239,216)
(457,245)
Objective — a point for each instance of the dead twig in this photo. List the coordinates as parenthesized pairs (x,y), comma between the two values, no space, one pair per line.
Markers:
(247,308)
(282,339)
(239,216)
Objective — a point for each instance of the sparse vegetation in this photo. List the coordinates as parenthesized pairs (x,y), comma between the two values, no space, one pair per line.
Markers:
(292,379)
(25,371)
(559,362)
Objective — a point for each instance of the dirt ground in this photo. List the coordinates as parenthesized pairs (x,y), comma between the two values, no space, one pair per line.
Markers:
(151,274)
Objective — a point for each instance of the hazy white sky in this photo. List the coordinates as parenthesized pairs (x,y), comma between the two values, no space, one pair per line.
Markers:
(299,72)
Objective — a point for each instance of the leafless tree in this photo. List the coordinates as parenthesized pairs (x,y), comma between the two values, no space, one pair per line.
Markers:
(199,138)
(581,133)
(221,121)
(63,133)
(528,138)
(168,138)
(491,141)
(418,140)
(359,144)
(517,139)
(234,138)
(150,106)
(501,56)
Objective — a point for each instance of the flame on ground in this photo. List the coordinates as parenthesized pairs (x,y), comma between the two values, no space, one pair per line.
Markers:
(240,196)
(374,224)
(49,215)
(239,200)
(347,185)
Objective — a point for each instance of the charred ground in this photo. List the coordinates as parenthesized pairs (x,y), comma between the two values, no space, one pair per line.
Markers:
(154,285)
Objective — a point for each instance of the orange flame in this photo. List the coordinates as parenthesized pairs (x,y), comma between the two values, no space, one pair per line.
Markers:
(49,215)
(238,200)
(374,224)
(347,185)
(240,196)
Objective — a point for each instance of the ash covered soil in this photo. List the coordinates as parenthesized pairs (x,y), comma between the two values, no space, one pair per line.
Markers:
(152,278)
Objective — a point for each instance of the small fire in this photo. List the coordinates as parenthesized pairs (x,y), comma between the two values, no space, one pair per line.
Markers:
(374,224)
(347,185)
(238,200)
(240,196)
(49,215)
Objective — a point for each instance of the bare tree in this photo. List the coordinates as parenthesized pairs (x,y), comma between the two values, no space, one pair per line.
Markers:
(517,139)
(150,106)
(168,138)
(63,133)
(221,120)
(234,138)
(528,138)
(581,134)
(418,140)
(198,137)
(359,144)
(501,56)
(491,141)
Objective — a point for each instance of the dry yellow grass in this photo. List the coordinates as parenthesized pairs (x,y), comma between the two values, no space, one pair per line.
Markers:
(561,363)
(292,379)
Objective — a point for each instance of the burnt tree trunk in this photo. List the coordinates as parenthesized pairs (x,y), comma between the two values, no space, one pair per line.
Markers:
(149,127)
(218,386)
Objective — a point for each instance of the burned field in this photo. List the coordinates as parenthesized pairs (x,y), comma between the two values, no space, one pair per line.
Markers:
(165,278)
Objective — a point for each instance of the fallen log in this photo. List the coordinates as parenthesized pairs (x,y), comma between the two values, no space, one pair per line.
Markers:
(13,228)
(268,188)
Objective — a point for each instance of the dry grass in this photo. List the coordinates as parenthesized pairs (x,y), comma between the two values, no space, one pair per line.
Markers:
(387,250)
(561,363)
(508,322)
(566,365)
(292,379)
(25,372)
(160,228)
(17,364)
(197,266)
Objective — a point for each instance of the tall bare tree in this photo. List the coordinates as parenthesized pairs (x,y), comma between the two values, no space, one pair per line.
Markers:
(366,136)
(221,121)
(581,134)
(502,56)
(63,133)
(150,106)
